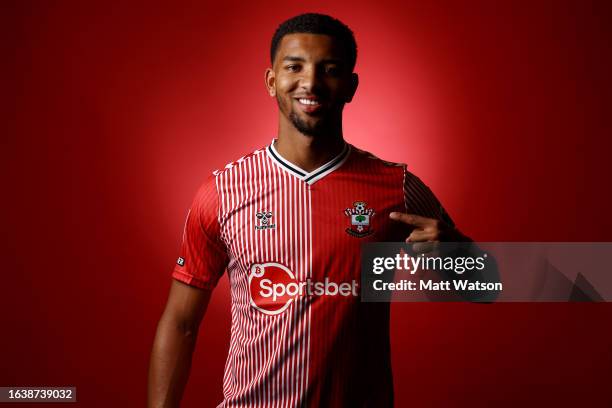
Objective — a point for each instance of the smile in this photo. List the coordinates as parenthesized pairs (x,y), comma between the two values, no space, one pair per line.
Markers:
(312,102)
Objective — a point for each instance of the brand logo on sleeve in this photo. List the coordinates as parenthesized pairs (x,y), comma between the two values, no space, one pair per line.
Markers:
(272,288)
(180,261)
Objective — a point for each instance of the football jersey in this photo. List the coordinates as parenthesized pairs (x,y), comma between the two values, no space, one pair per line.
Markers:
(290,241)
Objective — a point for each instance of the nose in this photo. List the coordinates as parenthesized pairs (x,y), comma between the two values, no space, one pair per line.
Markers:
(310,80)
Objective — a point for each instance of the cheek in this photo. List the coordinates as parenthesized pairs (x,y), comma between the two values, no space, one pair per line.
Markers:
(283,84)
(338,90)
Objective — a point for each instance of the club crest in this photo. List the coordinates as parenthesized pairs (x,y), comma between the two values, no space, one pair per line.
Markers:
(360,217)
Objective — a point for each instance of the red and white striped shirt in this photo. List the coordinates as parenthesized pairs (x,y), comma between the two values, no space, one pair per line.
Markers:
(290,241)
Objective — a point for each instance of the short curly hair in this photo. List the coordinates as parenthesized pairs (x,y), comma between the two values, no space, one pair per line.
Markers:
(314,23)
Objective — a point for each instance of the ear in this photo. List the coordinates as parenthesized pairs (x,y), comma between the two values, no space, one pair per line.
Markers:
(270,79)
(353,87)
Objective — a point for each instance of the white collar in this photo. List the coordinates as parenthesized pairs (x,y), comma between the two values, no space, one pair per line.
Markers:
(312,176)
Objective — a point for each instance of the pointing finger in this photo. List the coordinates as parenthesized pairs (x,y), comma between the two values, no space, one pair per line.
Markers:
(411,219)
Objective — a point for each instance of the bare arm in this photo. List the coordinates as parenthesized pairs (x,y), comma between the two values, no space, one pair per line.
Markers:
(175,340)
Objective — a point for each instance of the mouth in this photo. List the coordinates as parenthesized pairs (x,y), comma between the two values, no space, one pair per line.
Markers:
(309,104)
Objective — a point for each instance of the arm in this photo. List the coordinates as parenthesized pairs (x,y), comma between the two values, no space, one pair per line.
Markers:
(428,223)
(426,218)
(174,343)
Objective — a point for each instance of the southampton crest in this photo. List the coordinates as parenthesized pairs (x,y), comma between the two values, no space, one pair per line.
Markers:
(360,219)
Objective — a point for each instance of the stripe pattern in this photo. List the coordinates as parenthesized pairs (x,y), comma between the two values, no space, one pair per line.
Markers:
(267,363)
(272,360)
(420,200)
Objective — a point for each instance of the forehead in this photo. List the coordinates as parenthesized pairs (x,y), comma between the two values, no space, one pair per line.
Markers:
(309,47)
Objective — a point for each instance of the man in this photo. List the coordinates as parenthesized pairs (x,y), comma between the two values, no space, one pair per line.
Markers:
(287,222)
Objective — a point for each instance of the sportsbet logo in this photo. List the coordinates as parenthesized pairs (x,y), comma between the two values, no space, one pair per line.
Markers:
(273,287)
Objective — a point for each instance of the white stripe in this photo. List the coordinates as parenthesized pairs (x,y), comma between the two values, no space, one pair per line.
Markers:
(346,152)
(267,364)
(312,176)
(307,364)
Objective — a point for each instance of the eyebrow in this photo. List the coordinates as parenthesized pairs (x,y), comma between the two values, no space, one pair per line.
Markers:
(293,58)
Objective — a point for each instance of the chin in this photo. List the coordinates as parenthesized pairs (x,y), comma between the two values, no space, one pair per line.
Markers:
(308,128)
(313,131)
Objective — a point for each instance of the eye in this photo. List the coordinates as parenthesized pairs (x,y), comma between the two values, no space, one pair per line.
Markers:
(332,70)
(293,67)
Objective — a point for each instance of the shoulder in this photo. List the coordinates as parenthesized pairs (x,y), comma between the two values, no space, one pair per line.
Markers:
(364,155)
(372,162)
(238,163)
(212,183)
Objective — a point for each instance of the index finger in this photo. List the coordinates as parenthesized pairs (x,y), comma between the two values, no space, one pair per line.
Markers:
(410,219)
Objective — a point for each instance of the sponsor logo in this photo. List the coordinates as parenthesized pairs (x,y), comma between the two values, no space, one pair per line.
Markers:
(272,288)
(263,220)
(360,216)
(181,261)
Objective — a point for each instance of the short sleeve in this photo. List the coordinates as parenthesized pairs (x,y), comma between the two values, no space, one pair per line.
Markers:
(420,200)
(203,256)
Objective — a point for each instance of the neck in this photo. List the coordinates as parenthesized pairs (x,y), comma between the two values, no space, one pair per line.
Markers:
(308,152)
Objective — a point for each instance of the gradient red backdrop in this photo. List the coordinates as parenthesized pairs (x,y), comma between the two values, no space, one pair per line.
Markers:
(116,112)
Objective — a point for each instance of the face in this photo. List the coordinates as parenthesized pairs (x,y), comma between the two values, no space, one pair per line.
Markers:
(311,81)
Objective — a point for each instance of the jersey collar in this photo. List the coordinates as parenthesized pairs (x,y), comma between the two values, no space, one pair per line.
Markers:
(313,176)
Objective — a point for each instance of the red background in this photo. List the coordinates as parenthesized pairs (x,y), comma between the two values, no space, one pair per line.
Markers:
(116,112)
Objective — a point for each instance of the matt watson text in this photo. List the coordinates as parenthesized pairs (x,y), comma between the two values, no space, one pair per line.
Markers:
(445,285)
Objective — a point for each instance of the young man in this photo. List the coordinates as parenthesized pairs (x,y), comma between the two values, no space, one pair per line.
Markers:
(287,222)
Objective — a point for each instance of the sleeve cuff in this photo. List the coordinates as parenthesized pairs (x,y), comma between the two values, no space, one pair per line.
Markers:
(192,280)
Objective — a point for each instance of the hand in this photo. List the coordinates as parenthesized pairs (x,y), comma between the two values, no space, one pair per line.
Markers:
(428,229)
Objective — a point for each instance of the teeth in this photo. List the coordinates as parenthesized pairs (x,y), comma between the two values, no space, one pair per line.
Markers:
(308,102)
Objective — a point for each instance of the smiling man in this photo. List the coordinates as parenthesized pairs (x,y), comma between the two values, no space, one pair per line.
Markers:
(287,222)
